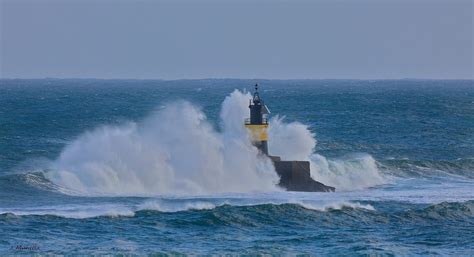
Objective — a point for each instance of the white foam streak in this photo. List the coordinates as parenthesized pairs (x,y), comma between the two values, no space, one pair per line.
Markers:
(74,211)
(175,207)
(336,206)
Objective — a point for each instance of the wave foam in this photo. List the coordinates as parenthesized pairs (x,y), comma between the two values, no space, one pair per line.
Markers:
(294,141)
(349,173)
(176,151)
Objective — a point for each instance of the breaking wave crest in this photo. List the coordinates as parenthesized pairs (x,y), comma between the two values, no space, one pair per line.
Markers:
(271,210)
(176,151)
(162,206)
(117,210)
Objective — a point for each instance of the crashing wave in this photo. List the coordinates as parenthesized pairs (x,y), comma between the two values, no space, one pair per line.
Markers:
(176,151)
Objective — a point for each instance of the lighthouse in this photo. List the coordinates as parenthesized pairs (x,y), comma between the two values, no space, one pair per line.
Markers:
(294,175)
(257,124)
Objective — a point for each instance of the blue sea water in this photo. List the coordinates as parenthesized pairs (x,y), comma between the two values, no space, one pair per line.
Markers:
(400,153)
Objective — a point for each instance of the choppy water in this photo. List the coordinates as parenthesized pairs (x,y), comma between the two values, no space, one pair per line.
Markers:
(103,166)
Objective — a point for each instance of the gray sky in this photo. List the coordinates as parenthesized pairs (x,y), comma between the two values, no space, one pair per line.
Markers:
(237,39)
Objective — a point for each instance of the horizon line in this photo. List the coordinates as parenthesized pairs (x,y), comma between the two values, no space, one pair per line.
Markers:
(216,78)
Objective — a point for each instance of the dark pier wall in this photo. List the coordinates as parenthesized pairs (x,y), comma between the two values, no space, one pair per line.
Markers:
(296,176)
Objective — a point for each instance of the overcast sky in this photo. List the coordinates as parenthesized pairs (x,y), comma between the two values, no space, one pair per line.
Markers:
(374,39)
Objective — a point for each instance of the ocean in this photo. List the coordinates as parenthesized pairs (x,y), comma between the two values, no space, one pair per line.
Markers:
(147,167)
